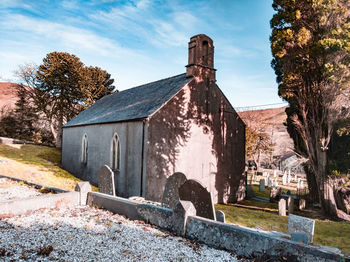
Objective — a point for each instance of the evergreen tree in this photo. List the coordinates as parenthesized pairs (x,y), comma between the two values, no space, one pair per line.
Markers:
(310,44)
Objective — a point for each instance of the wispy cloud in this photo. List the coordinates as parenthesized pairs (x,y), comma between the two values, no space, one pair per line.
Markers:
(63,35)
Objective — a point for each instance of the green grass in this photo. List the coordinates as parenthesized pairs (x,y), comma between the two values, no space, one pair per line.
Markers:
(328,233)
(38,164)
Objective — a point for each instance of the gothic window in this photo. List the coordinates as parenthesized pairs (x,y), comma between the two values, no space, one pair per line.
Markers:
(84,149)
(115,152)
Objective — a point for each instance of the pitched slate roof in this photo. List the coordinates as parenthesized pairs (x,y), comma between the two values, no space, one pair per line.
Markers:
(134,103)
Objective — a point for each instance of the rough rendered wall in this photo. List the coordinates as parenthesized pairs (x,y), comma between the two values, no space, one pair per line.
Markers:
(197,133)
(128,181)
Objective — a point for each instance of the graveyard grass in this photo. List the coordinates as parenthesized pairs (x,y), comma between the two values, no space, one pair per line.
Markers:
(328,233)
(37,164)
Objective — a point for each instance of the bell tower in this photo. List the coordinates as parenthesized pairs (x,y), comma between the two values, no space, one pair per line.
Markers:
(201,58)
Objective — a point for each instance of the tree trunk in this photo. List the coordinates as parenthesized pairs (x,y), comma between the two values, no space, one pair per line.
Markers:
(59,132)
(312,184)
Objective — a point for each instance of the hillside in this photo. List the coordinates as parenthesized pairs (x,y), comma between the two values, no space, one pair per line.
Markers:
(8,94)
(271,122)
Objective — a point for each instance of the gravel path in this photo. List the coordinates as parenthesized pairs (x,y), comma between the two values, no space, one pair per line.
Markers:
(89,234)
(10,189)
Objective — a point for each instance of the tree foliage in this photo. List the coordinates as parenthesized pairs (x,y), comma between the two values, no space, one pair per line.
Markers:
(62,86)
(310,43)
(257,143)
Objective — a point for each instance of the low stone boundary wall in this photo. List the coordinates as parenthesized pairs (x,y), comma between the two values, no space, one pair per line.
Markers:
(10,141)
(246,241)
(21,206)
(117,205)
(240,240)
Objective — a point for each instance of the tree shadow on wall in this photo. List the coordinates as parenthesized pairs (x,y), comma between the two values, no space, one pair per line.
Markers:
(169,129)
(206,107)
(215,114)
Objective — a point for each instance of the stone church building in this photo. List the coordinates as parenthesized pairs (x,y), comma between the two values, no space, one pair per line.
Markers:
(182,124)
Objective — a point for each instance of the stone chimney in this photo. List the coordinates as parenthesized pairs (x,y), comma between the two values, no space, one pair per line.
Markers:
(201,58)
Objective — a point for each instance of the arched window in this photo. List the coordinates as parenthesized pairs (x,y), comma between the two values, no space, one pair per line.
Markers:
(84,149)
(115,153)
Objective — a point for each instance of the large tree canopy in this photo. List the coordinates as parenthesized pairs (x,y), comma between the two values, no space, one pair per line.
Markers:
(310,43)
(63,86)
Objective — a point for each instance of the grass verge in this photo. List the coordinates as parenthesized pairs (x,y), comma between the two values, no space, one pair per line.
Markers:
(37,164)
(328,233)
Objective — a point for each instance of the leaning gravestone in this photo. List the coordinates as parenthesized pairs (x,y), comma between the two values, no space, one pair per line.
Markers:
(262,185)
(105,180)
(193,191)
(282,207)
(171,191)
(297,224)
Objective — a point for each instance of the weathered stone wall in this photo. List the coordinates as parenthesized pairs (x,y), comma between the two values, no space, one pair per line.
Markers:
(199,134)
(128,179)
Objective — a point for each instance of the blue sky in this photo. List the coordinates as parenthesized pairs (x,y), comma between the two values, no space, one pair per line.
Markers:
(143,40)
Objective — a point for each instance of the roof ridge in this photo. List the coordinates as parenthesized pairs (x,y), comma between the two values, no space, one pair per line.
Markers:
(149,83)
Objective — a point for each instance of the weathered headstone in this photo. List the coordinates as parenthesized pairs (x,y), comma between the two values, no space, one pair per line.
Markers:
(193,191)
(220,216)
(105,180)
(290,205)
(275,173)
(267,179)
(302,204)
(284,178)
(83,188)
(289,177)
(274,193)
(269,182)
(262,185)
(301,224)
(299,183)
(282,207)
(171,191)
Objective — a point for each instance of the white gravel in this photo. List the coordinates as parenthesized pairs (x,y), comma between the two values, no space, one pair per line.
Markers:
(10,189)
(89,234)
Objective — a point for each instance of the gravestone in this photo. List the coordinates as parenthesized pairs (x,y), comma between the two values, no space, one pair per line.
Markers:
(269,182)
(171,191)
(267,179)
(284,178)
(105,180)
(193,191)
(275,173)
(289,177)
(299,183)
(274,193)
(262,185)
(302,204)
(301,225)
(290,205)
(83,188)
(282,207)
(220,216)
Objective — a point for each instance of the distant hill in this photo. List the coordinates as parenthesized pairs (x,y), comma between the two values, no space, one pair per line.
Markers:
(8,94)
(271,122)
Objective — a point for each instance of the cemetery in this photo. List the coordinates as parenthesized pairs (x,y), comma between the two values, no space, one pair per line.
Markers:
(187,213)
(244,159)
